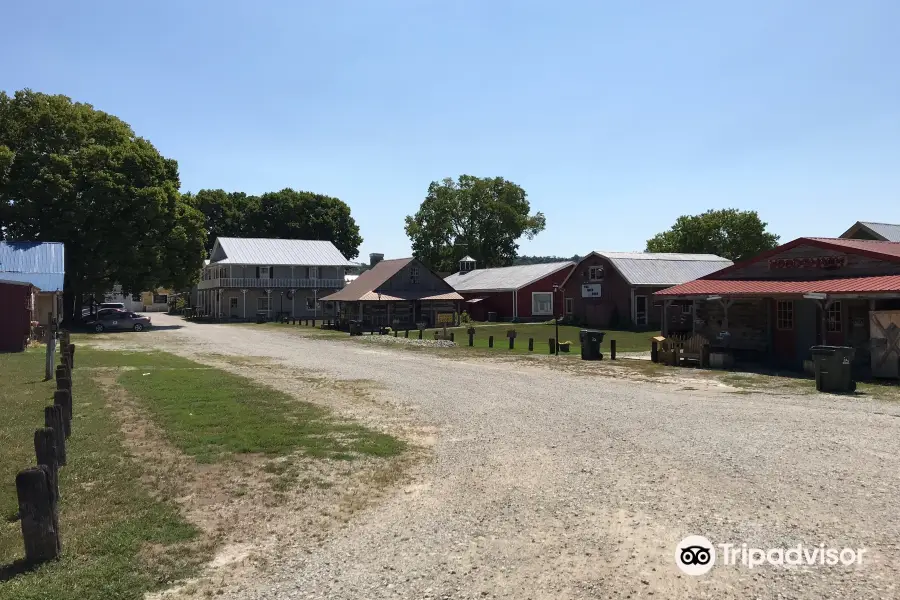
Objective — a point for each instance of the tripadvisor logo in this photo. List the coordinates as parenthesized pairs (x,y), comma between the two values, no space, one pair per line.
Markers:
(696,555)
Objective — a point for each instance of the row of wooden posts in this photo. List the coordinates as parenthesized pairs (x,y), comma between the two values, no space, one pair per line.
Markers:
(551,342)
(38,487)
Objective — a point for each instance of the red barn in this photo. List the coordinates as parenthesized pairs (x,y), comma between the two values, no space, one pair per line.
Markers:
(17,300)
(523,293)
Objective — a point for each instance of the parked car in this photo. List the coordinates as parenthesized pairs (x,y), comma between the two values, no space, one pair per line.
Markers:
(114,319)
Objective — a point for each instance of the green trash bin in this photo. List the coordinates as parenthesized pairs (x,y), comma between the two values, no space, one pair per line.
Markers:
(590,344)
(834,368)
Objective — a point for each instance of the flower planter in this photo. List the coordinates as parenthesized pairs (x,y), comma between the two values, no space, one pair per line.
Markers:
(564,347)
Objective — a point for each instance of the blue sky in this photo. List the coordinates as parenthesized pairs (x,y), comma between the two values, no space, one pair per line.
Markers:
(616,117)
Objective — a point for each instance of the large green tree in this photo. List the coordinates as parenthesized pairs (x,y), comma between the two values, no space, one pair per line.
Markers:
(286,214)
(74,174)
(731,233)
(481,217)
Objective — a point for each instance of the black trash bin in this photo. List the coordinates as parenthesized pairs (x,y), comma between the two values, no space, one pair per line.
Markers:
(355,328)
(590,344)
(834,368)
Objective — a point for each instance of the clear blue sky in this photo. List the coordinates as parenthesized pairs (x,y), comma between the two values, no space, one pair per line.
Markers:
(616,117)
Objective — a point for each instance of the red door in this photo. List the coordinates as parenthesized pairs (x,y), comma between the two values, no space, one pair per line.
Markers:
(784,334)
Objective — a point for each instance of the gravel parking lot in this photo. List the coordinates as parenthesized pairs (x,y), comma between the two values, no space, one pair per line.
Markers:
(547,485)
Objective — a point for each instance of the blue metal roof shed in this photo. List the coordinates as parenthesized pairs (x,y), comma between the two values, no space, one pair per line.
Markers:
(41,264)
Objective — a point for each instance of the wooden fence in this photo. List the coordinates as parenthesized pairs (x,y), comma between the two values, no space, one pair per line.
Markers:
(38,487)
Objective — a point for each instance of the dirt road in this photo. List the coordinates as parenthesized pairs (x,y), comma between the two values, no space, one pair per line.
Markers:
(547,485)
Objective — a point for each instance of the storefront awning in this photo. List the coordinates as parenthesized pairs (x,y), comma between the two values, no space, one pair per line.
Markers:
(885,284)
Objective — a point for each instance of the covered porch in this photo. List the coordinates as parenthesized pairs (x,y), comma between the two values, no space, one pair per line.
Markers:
(399,313)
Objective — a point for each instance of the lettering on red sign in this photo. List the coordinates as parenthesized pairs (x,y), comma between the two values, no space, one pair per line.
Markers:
(808,262)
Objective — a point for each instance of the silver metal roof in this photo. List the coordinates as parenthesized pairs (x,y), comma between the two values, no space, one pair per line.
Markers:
(268,251)
(39,263)
(890,233)
(663,268)
(503,278)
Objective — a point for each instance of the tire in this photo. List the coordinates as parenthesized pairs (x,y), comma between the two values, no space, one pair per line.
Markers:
(138,327)
(98,328)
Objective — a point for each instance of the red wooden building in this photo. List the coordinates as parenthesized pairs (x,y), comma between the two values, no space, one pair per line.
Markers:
(521,293)
(615,289)
(773,307)
(18,301)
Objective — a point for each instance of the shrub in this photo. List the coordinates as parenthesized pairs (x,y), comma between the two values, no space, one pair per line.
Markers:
(464,317)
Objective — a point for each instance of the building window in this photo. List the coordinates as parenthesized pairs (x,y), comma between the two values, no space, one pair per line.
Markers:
(264,273)
(834,317)
(686,308)
(595,273)
(160,299)
(262,303)
(232,302)
(312,272)
(310,303)
(570,305)
(135,297)
(329,306)
(784,315)
(541,303)
(414,275)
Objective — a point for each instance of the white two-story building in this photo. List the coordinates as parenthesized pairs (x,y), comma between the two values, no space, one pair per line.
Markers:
(246,277)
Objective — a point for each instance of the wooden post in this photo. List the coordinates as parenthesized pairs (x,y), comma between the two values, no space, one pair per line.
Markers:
(63,398)
(71,349)
(471,339)
(406,334)
(314,322)
(490,341)
(704,356)
(396,333)
(612,349)
(45,451)
(437,334)
(451,337)
(54,419)
(654,351)
(531,344)
(38,513)
(51,352)
(552,345)
(512,342)
(420,334)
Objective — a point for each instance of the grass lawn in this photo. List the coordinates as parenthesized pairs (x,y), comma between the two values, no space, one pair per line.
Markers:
(107,519)
(119,539)
(626,341)
(210,414)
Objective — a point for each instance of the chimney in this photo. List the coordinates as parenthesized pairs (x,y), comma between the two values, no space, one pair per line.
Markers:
(375,258)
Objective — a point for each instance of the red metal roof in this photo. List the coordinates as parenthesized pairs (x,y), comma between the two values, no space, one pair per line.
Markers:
(725,287)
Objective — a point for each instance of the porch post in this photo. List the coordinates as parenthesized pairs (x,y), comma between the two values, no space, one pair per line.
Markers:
(269,304)
(293,294)
(665,317)
(244,292)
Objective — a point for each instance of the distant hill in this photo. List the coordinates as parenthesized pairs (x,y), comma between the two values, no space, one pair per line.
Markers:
(538,260)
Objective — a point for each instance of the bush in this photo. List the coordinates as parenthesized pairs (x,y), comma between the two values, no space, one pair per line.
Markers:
(464,317)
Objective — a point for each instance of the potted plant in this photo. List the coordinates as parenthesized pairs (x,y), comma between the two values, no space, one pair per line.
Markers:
(565,346)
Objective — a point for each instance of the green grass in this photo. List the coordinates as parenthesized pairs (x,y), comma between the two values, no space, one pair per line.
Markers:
(104,541)
(210,414)
(626,341)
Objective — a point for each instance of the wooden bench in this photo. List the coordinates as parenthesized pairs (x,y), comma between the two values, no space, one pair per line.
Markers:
(681,349)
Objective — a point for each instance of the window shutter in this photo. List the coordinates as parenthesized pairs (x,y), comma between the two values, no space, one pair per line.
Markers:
(257,272)
(271,271)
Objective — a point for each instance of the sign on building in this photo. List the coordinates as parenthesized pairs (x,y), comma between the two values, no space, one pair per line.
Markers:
(445,319)
(590,290)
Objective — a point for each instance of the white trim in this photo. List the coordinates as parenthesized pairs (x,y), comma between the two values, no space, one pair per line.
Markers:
(534,313)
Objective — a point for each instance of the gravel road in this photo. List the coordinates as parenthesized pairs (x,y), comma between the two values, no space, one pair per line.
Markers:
(544,485)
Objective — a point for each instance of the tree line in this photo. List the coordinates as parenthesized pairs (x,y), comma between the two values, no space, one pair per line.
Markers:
(75,174)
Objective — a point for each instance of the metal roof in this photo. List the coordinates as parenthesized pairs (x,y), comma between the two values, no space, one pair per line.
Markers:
(365,287)
(503,278)
(871,247)
(269,251)
(41,264)
(731,287)
(663,268)
(887,231)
